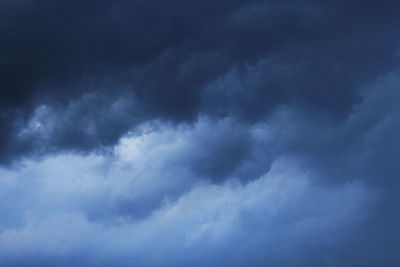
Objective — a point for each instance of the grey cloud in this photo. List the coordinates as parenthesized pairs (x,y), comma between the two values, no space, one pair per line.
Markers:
(174,58)
(199,133)
(155,163)
(150,199)
(362,147)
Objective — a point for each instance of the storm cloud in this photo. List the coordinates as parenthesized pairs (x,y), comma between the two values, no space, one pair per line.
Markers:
(221,133)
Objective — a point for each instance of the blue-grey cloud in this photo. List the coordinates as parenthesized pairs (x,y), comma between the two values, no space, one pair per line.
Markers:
(259,223)
(222,133)
(182,59)
(316,192)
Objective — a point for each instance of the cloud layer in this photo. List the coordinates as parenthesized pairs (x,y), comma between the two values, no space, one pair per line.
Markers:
(181,59)
(228,133)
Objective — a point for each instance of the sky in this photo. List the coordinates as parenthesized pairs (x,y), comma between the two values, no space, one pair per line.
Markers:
(199,133)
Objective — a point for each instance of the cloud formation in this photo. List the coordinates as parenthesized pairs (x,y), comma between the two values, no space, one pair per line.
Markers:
(221,133)
(256,224)
(181,59)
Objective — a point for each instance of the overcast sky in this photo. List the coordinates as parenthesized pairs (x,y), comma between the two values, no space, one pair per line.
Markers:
(199,133)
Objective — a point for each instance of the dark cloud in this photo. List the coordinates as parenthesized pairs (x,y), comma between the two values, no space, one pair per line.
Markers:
(226,133)
(184,58)
(318,190)
(363,146)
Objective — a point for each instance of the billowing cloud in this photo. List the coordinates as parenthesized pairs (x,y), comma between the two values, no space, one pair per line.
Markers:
(221,133)
(83,218)
(214,192)
(181,59)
